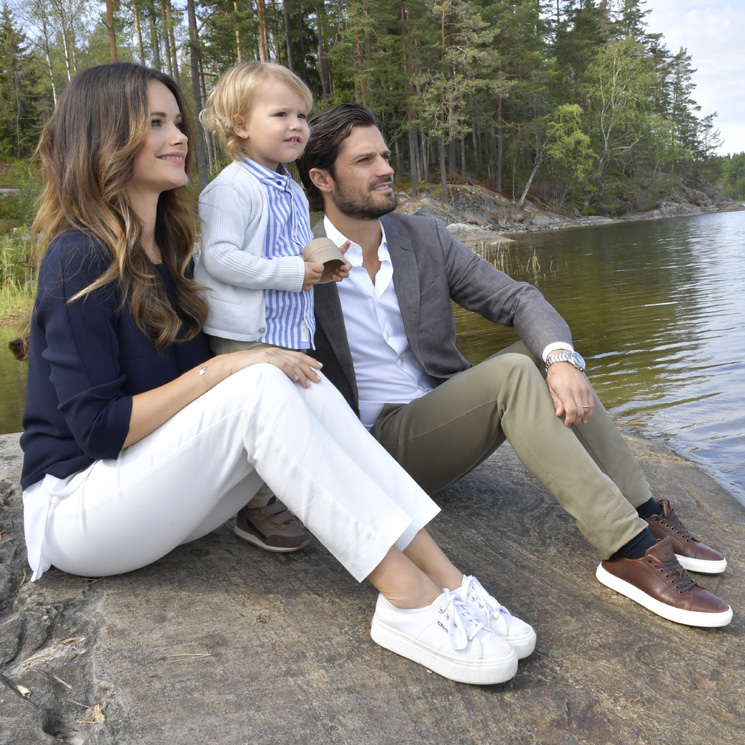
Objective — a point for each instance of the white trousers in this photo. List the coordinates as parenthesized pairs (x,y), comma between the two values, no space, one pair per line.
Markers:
(199,468)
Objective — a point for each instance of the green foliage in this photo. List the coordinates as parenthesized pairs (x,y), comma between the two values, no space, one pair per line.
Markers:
(17,278)
(18,98)
(17,209)
(571,99)
(730,178)
(569,150)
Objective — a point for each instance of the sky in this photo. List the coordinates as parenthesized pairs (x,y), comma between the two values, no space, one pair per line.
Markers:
(713,33)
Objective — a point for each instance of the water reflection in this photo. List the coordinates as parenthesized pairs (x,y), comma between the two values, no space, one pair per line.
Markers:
(657,309)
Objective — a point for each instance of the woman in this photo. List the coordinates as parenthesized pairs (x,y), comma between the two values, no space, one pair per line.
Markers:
(136,441)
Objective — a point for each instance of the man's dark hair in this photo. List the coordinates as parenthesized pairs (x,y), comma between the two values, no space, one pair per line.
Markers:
(327,132)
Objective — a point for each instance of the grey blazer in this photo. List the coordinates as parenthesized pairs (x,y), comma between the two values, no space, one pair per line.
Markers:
(430,268)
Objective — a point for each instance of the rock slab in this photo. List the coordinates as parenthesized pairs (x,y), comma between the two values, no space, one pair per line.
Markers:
(221,643)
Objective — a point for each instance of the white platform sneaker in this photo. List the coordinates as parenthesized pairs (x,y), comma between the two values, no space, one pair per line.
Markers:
(448,638)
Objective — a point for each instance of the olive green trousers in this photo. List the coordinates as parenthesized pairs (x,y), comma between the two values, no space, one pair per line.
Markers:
(589,468)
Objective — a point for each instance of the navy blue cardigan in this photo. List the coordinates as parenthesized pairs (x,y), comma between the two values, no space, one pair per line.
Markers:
(86,361)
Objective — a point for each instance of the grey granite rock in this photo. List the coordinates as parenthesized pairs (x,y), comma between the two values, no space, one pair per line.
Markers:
(221,643)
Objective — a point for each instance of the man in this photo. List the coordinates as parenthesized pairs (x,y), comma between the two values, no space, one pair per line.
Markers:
(386,336)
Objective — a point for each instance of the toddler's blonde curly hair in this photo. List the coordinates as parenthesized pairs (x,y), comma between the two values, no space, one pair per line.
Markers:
(234,94)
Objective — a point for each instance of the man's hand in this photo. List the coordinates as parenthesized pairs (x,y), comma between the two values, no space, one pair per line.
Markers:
(571,393)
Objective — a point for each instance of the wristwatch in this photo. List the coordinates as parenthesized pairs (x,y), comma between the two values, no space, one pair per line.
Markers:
(573,358)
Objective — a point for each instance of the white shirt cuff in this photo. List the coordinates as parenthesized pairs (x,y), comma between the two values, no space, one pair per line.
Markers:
(556,345)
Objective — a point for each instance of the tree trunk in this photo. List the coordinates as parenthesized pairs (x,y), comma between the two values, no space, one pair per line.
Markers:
(493,157)
(536,166)
(413,160)
(112,30)
(453,157)
(500,145)
(138,34)
(477,159)
(63,33)
(263,39)
(424,159)
(48,57)
(166,38)
(288,40)
(276,35)
(68,61)
(154,41)
(172,36)
(443,170)
(201,153)
(360,73)
(238,51)
(323,64)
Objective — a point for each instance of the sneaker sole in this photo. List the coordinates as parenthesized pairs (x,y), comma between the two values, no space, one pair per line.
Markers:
(256,541)
(701,565)
(461,671)
(677,615)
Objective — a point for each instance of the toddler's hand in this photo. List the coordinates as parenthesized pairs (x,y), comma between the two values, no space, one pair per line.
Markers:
(343,271)
(313,273)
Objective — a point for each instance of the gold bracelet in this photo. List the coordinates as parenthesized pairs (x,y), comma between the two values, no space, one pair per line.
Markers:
(203,374)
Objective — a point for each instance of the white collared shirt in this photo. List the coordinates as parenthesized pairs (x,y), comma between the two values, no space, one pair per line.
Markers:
(386,369)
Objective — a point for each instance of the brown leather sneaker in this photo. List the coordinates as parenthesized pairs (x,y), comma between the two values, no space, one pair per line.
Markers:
(692,554)
(660,584)
(273,528)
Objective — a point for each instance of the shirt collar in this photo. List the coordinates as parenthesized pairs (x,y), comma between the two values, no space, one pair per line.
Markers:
(354,252)
(279,179)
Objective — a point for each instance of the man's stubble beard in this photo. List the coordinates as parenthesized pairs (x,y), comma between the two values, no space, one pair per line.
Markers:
(363,210)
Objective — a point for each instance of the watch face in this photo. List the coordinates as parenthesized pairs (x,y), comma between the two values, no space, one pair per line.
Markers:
(577,360)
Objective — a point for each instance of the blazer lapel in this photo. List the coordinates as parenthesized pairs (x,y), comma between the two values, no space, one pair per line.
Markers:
(330,318)
(405,278)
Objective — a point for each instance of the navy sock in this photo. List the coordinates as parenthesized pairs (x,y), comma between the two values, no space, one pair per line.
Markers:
(649,508)
(637,546)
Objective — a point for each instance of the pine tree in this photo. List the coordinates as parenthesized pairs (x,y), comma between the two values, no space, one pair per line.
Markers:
(513,115)
(19,115)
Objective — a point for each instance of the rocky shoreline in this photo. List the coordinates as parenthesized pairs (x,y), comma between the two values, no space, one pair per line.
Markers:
(475,214)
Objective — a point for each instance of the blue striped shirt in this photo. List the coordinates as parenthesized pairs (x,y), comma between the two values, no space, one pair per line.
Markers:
(289,315)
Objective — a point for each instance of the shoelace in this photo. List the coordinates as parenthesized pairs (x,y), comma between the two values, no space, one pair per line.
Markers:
(463,623)
(671,521)
(674,573)
(496,613)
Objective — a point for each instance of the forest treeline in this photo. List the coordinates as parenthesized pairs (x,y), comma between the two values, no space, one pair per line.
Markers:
(573,101)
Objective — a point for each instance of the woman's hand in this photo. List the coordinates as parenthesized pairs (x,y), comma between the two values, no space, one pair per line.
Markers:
(295,365)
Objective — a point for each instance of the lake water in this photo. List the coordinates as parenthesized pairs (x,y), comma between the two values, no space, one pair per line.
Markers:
(657,308)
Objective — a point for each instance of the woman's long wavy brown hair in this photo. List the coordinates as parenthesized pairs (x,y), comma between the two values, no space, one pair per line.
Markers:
(87,152)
